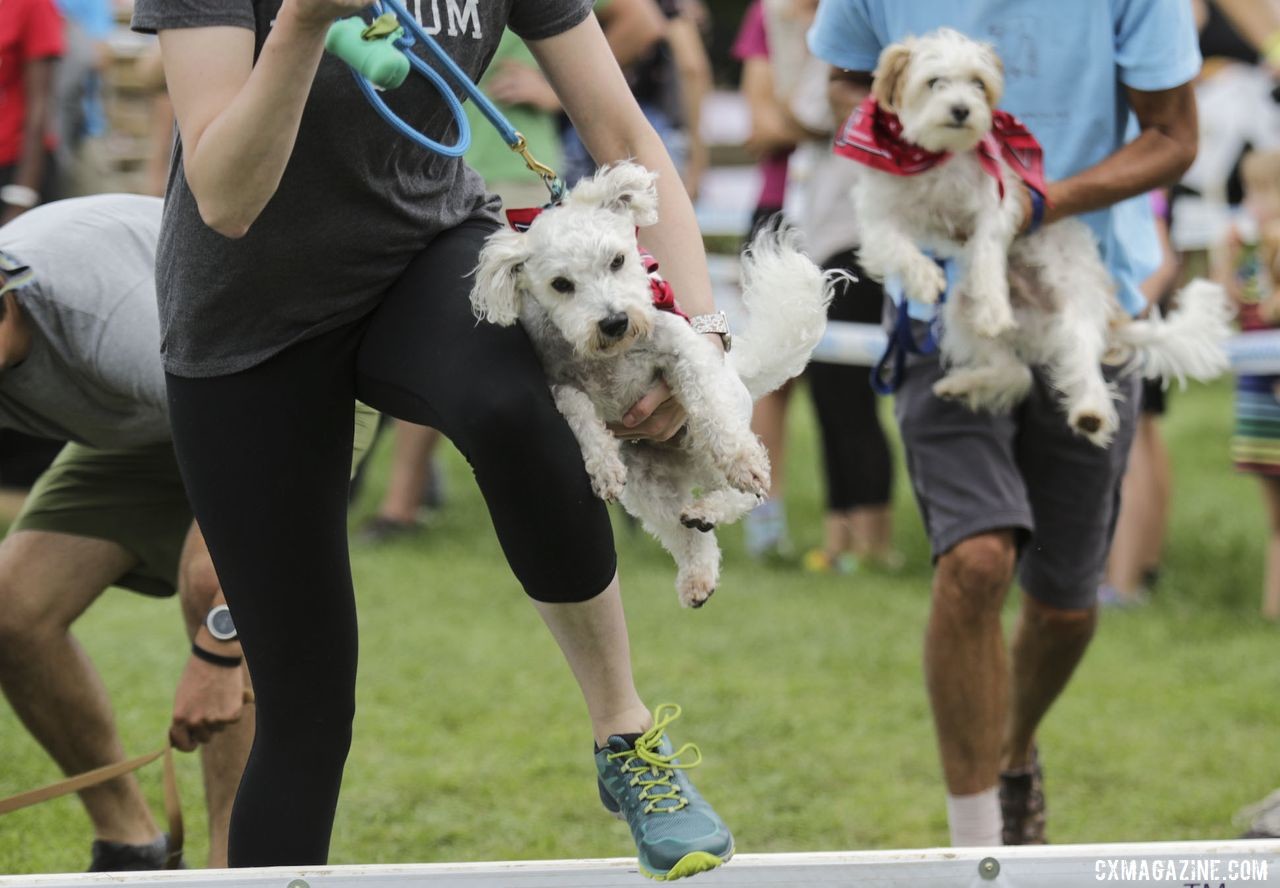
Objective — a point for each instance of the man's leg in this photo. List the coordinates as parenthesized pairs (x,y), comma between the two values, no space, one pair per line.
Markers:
(1074,489)
(223,757)
(46,581)
(966,668)
(974,505)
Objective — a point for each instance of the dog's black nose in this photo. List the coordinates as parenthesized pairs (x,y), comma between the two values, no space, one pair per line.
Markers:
(614,325)
(959,113)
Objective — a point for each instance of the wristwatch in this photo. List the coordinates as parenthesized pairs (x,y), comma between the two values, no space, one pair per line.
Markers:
(219,623)
(713,323)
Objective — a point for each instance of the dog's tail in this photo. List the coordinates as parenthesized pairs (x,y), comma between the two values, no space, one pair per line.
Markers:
(1190,341)
(786,298)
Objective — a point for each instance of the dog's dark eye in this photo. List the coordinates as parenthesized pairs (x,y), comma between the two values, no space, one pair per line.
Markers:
(562,285)
(933,81)
(617,262)
(977,81)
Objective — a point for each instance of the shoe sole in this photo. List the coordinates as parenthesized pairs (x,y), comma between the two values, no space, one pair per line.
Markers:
(690,865)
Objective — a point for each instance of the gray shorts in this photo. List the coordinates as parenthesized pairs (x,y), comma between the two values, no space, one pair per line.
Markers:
(976,472)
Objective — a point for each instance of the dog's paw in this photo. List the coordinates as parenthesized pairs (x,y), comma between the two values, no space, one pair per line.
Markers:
(608,477)
(694,519)
(924,281)
(991,314)
(1096,423)
(695,588)
(955,386)
(748,471)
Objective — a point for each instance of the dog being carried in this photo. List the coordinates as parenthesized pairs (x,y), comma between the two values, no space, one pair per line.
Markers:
(576,282)
(944,176)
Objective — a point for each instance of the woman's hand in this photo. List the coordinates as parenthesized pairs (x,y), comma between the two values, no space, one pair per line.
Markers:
(322,13)
(655,417)
(518,84)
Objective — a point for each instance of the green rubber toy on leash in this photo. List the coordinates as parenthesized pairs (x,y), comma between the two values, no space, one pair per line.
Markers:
(370,49)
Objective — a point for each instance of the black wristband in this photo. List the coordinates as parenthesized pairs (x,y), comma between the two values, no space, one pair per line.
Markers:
(216,659)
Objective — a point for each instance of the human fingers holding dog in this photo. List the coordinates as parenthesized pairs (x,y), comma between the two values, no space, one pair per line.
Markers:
(656,417)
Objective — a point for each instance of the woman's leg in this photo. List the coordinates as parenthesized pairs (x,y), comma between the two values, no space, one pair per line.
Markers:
(266,455)
(855,450)
(425,359)
(1271,578)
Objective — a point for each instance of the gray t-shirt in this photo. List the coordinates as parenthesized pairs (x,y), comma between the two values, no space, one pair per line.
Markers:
(93,373)
(356,203)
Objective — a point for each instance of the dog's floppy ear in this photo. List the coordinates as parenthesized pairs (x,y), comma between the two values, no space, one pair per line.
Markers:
(886,84)
(992,79)
(626,188)
(495,296)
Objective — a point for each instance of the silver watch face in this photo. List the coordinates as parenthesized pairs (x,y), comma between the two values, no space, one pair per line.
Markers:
(220,624)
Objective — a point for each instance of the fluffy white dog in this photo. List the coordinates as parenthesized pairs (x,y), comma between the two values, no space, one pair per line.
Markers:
(576,282)
(1045,299)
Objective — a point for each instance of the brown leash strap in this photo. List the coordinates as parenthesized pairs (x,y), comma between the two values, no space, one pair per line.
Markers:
(172,803)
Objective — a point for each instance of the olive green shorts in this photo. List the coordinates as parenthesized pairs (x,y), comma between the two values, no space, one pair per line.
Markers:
(132,497)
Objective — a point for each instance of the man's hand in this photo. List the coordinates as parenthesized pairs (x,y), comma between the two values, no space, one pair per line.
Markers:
(209,698)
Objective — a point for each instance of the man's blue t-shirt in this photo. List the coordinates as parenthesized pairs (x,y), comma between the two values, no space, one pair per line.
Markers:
(1066,67)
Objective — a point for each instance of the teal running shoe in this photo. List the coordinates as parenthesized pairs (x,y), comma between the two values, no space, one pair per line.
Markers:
(643,782)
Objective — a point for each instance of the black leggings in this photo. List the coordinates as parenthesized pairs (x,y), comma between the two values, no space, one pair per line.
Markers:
(265,454)
(854,448)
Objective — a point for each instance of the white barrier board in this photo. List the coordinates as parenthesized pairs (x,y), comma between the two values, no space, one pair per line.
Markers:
(1186,864)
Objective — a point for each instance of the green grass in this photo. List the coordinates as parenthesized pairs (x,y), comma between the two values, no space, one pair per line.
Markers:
(805,693)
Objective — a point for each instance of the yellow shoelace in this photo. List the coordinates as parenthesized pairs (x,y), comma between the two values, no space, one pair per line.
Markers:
(644,760)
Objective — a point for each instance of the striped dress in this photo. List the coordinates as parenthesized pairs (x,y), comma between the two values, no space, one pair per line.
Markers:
(1255,447)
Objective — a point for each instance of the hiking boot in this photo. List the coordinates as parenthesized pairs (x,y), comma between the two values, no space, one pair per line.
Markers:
(118,857)
(1022,804)
(642,781)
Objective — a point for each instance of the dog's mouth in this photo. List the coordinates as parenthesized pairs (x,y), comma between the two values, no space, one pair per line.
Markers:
(614,335)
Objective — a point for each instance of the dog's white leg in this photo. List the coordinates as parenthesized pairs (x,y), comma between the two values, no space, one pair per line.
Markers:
(1075,370)
(983,373)
(713,397)
(655,496)
(601,451)
(723,506)
(888,250)
(987,278)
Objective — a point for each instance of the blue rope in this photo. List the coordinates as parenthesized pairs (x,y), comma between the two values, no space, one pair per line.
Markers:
(414,31)
(891,369)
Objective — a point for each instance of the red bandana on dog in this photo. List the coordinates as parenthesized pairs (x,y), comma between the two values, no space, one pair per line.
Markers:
(664,298)
(873,137)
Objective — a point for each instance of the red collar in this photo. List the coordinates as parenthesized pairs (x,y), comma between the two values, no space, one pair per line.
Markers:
(664,298)
(872,136)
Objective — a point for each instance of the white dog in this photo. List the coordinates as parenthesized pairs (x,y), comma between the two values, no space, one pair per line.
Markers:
(576,282)
(1042,300)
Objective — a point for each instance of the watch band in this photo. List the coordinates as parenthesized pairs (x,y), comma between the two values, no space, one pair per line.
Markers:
(716,322)
(216,659)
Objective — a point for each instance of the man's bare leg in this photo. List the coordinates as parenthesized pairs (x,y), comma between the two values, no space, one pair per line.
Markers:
(966,669)
(1048,644)
(223,757)
(47,580)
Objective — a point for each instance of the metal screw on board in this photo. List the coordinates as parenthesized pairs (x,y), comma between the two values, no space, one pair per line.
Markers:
(989,868)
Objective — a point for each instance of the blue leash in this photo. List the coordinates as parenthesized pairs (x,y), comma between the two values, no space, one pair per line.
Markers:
(400,30)
(887,376)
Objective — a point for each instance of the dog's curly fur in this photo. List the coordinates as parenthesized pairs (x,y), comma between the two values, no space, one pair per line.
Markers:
(1043,300)
(575,282)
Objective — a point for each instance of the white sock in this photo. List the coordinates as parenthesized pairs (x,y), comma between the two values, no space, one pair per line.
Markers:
(975,819)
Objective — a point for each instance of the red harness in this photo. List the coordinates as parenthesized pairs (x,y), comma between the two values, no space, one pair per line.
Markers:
(872,136)
(664,298)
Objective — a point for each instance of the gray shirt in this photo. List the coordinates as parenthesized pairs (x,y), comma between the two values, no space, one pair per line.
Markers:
(93,373)
(357,200)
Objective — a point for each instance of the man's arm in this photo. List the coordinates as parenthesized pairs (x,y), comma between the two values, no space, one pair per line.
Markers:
(632,27)
(845,92)
(37,78)
(1159,156)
